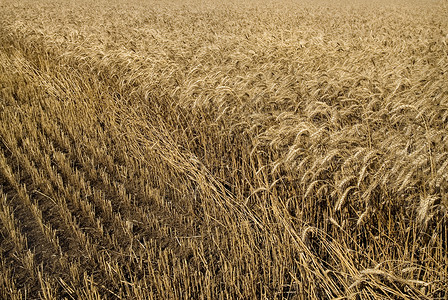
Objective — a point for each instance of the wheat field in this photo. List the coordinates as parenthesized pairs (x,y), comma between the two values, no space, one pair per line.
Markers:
(223,149)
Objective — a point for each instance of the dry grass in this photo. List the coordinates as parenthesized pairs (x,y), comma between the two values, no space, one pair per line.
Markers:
(194,150)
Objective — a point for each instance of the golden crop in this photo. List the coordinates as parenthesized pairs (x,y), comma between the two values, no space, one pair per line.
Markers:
(223,149)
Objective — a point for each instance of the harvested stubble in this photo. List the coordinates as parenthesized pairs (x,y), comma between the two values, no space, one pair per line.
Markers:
(187,150)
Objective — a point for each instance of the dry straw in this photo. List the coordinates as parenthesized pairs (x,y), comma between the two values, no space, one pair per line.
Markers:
(204,150)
